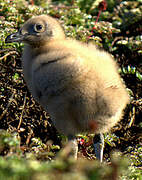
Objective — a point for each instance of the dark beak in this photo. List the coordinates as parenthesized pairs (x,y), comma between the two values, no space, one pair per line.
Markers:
(16,37)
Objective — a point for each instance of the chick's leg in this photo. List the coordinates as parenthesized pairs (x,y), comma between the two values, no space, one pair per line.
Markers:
(98,143)
(71,148)
(74,146)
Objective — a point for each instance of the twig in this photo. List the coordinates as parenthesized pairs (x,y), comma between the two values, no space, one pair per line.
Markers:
(102,7)
(8,54)
(9,103)
(132,117)
(29,137)
(20,121)
(3,66)
(8,67)
(137,102)
(32,2)
(6,50)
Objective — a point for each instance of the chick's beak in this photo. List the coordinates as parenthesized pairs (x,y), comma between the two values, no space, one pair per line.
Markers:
(15,37)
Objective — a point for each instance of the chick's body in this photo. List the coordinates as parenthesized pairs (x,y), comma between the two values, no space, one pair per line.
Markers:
(76,83)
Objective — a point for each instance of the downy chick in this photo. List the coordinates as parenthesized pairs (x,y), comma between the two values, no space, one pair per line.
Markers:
(77,84)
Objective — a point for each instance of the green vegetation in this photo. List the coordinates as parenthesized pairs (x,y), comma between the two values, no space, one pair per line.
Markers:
(29,144)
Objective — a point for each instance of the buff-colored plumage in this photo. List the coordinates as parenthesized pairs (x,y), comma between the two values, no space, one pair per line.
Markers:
(77,84)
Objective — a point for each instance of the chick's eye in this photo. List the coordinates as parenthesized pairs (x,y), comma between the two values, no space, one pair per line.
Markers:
(38,27)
